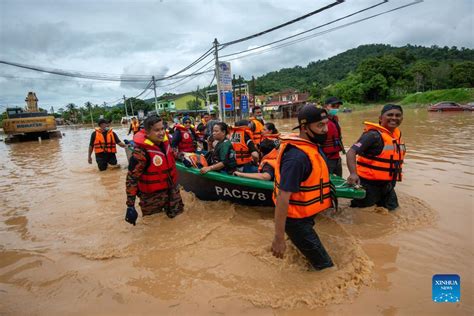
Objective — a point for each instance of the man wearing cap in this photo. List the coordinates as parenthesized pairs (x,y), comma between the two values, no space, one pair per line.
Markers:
(379,152)
(302,188)
(333,144)
(103,142)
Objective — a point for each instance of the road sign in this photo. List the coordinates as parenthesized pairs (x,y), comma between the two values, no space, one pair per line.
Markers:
(227,100)
(244,104)
(225,76)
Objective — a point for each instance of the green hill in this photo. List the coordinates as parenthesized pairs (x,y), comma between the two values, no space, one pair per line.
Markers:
(420,68)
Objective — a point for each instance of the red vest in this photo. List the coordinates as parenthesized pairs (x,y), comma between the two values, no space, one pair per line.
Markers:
(186,144)
(333,144)
(160,173)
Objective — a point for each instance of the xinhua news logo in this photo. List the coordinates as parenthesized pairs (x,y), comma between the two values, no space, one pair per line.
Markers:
(446,288)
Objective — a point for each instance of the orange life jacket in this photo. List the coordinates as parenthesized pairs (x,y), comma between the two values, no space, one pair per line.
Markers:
(135,126)
(270,158)
(257,134)
(186,144)
(333,143)
(388,164)
(104,145)
(242,152)
(315,192)
(160,173)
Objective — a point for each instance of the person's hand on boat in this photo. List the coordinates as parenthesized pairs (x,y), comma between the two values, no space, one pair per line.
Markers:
(237,173)
(353,179)
(278,246)
(204,170)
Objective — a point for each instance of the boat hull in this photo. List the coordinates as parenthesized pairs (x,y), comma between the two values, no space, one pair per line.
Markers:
(214,186)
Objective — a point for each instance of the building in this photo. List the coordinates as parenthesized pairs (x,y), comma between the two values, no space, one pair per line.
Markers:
(178,102)
(285,103)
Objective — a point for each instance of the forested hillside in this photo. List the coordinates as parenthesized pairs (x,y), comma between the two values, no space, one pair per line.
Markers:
(377,72)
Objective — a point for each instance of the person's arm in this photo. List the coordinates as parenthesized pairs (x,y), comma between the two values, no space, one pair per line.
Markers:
(136,167)
(281,212)
(215,167)
(175,139)
(129,130)
(352,166)
(91,148)
(118,141)
(258,176)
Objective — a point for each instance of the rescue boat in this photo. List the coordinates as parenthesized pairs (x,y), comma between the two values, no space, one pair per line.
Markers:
(214,186)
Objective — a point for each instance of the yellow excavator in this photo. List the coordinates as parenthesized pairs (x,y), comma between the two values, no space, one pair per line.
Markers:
(29,123)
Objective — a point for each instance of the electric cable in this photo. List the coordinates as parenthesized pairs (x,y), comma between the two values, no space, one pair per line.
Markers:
(283,24)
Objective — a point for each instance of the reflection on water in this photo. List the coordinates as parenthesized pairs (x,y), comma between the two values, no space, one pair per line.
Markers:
(64,240)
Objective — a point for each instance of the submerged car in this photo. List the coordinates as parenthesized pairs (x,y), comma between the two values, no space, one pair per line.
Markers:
(448,106)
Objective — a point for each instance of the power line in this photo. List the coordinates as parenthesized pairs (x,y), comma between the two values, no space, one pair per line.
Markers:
(326,31)
(102,76)
(307,31)
(284,24)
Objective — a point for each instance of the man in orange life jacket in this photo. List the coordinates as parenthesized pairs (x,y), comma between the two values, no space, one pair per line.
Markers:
(380,152)
(256,125)
(152,174)
(302,188)
(134,126)
(103,142)
(333,144)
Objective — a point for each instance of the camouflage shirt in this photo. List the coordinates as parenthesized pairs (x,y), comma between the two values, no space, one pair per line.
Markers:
(136,167)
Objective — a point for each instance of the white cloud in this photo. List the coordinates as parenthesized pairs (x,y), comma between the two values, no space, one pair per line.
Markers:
(148,37)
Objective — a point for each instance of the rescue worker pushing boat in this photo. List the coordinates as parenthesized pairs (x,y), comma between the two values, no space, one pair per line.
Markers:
(302,188)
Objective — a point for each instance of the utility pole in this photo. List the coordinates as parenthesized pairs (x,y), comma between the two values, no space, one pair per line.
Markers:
(154,90)
(125,103)
(219,101)
(233,94)
(196,104)
(89,105)
(240,95)
(253,90)
(131,106)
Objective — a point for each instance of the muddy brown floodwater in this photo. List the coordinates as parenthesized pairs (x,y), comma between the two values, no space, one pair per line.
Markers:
(65,248)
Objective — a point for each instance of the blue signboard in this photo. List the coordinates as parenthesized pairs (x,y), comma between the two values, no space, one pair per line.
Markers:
(244,104)
(227,100)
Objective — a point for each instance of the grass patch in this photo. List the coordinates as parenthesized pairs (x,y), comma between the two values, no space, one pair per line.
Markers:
(462,95)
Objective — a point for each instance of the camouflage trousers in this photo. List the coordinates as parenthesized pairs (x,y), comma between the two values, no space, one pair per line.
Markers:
(167,200)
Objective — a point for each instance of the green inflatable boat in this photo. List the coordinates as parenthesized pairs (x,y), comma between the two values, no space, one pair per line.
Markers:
(214,186)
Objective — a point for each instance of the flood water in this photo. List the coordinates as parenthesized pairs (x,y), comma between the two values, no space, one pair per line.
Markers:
(65,248)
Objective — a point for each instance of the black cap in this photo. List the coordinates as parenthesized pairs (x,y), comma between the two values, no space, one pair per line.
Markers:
(309,113)
(102,121)
(388,107)
(333,100)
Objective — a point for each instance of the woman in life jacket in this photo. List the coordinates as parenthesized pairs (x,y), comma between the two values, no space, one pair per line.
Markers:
(246,153)
(184,137)
(270,132)
(222,157)
(266,169)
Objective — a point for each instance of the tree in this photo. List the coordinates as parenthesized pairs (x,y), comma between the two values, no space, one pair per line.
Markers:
(463,74)
(194,105)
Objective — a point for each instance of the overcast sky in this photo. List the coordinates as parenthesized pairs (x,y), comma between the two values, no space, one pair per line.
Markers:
(125,37)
